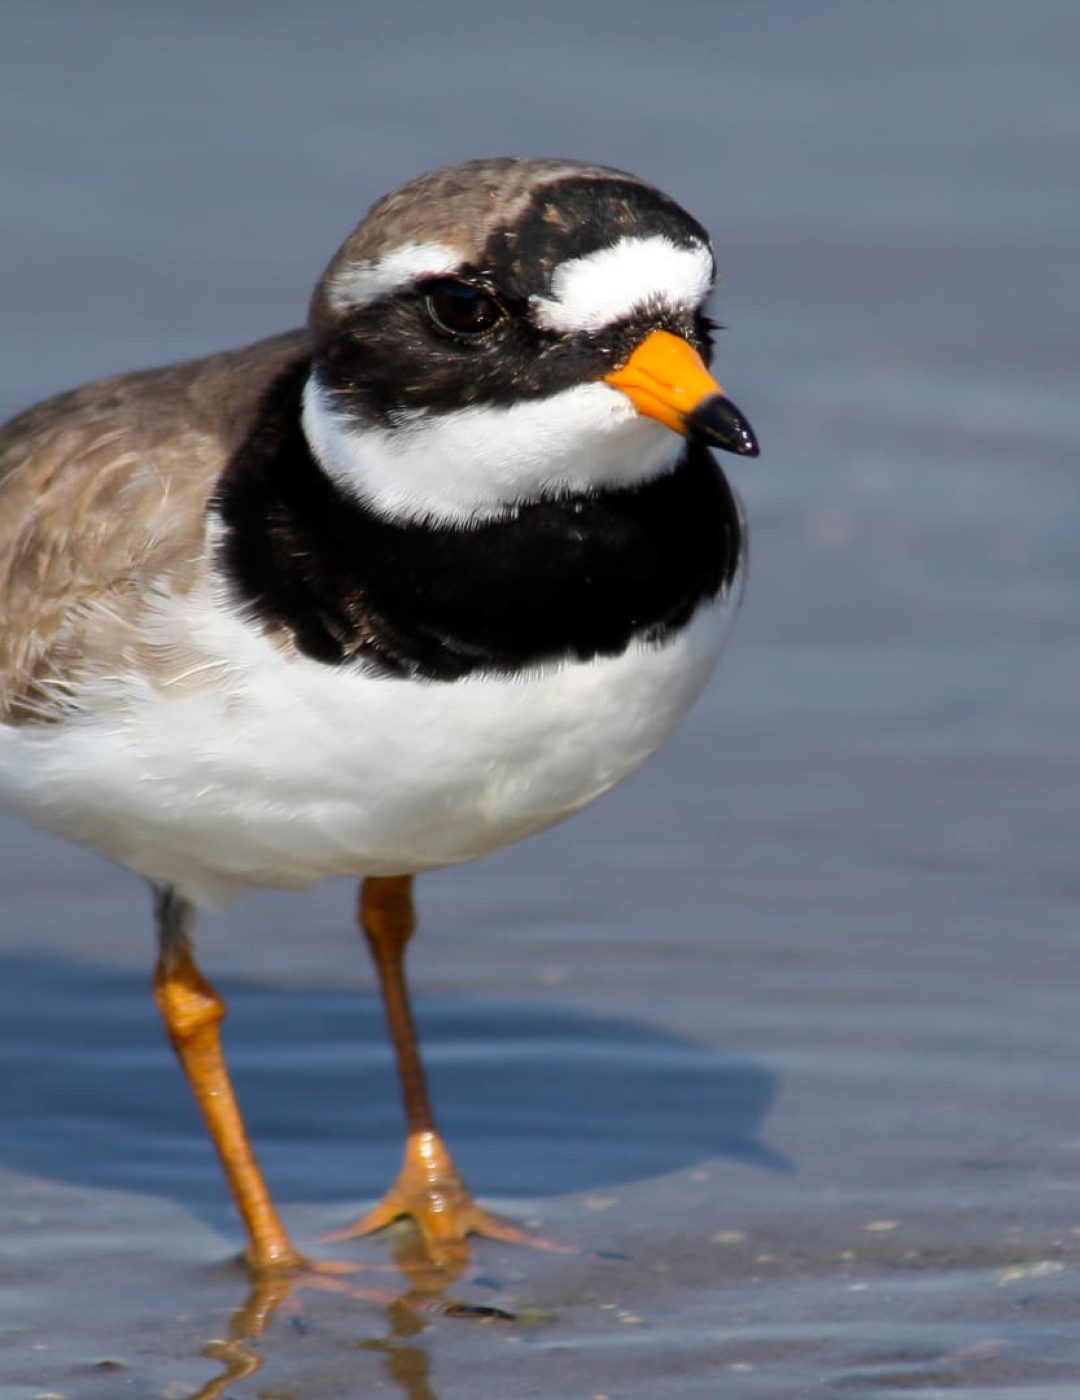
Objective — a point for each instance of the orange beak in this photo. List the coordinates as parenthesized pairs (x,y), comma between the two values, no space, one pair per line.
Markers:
(666,379)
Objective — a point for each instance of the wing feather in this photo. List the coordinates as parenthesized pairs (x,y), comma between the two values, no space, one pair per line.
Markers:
(103,496)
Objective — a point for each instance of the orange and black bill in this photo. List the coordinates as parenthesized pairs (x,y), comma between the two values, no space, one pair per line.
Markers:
(666,379)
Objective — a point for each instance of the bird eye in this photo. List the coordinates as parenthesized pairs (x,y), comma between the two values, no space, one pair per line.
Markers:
(462,308)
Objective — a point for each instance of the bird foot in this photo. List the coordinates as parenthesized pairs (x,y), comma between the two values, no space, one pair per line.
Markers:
(432,1193)
(290,1267)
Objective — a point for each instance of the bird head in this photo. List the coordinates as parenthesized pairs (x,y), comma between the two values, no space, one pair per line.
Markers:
(507,330)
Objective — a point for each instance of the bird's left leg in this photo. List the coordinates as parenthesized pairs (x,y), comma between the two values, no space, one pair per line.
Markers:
(428,1188)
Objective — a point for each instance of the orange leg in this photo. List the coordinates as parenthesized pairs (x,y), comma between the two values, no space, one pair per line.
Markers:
(428,1187)
(193,1012)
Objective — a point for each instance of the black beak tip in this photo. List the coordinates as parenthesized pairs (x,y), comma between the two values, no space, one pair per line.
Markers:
(719,423)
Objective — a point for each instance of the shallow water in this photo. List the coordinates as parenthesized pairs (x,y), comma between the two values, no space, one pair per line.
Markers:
(783,1034)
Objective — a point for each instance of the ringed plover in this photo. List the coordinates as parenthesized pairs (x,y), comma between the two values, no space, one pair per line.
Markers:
(376,596)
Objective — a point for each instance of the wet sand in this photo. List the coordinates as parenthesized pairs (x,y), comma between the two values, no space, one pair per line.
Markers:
(782,1034)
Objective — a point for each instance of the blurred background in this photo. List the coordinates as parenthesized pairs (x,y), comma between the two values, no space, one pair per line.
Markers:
(783,1032)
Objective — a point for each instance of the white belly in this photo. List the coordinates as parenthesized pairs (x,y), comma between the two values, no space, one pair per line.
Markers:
(285,771)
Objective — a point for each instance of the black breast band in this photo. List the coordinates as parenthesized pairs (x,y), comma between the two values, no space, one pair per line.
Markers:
(578,577)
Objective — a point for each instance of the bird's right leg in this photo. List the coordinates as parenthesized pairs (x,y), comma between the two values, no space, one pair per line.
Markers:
(193,1011)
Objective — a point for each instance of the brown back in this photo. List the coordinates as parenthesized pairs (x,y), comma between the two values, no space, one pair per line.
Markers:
(103,495)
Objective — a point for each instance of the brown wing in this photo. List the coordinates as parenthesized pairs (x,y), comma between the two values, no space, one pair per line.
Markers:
(103,495)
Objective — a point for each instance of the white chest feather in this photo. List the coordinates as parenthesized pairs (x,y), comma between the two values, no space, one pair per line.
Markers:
(281,771)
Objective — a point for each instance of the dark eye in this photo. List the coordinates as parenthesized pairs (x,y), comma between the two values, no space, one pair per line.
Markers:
(462,308)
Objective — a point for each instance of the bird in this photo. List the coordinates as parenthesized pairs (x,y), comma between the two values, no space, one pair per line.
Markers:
(376,596)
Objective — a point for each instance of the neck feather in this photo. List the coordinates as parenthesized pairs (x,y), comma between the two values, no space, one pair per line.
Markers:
(573,577)
(481,463)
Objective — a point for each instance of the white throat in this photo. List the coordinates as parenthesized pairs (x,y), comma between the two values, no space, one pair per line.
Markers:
(479,463)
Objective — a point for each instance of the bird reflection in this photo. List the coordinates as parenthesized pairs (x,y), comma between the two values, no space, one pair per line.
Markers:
(406,1364)
(250,1320)
(408,1367)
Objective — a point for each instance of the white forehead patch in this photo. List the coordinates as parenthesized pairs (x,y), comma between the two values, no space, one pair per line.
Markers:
(358,283)
(603,287)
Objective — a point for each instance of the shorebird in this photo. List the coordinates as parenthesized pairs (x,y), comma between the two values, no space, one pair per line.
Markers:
(379,595)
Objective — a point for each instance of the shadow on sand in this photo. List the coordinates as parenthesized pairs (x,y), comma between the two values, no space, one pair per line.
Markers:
(536,1100)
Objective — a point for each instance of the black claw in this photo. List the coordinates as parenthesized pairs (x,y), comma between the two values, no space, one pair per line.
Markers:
(720,424)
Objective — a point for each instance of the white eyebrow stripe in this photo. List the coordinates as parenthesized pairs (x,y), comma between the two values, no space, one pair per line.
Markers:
(603,287)
(359,283)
